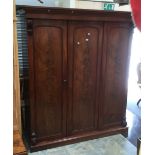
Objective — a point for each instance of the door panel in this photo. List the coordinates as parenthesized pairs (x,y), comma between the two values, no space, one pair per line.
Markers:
(49,106)
(84,45)
(113,90)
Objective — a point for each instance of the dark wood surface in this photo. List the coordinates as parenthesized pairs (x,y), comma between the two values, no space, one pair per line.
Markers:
(115,74)
(85,40)
(78,138)
(78,73)
(75,14)
(49,44)
(18,145)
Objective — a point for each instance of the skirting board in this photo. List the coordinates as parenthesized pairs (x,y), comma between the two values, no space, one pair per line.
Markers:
(78,138)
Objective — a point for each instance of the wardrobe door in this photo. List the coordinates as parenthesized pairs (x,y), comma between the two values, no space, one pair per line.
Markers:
(84,49)
(47,55)
(114,78)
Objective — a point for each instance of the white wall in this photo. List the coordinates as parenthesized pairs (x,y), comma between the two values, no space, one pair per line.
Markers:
(68,3)
(71,4)
(48,3)
(89,5)
(122,8)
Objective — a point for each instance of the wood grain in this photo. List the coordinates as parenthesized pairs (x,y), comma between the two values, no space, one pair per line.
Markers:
(18,145)
(84,43)
(16,85)
(116,75)
(79,63)
(48,106)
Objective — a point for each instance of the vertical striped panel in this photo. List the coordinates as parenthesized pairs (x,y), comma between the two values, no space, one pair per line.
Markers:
(22,43)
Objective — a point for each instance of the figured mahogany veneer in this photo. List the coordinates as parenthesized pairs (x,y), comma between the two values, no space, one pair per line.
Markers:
(79,62)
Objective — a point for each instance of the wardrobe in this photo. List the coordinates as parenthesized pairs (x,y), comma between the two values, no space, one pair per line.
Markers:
(78,74)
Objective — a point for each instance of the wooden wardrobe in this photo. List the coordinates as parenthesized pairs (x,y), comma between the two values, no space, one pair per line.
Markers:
(79,61)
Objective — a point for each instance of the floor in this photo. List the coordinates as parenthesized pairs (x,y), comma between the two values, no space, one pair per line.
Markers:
(112,145)
(133,114)
(134,131)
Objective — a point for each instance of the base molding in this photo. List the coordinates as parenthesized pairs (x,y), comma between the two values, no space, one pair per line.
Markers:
(78,138)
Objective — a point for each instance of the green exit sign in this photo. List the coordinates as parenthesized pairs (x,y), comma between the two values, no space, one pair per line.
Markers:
(108,6)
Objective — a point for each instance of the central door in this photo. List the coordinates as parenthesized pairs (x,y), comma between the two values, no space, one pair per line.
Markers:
(84,42)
